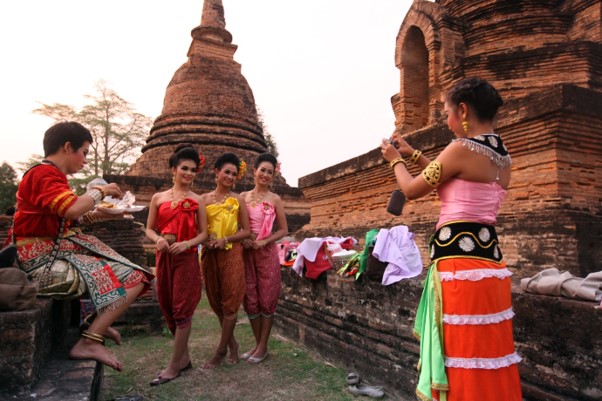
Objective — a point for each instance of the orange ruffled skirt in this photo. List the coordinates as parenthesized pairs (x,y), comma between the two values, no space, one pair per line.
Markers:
(480,358)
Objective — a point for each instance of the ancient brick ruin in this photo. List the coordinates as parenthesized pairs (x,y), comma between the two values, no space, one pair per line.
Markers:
(544,57)
(210,104)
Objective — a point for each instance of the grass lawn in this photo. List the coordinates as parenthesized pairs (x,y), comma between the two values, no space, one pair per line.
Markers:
(288,374)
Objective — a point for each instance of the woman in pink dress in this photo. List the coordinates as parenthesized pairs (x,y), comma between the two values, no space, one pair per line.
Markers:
(262,265)
(464,319)
(177,223)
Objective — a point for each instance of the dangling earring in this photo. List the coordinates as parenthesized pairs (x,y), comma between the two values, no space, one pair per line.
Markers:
(173,178)
(465,126)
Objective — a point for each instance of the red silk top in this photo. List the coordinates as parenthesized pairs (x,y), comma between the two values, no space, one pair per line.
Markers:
(180,220)
(43,198)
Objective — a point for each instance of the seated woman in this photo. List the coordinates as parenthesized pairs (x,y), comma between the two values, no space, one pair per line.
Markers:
(52,247)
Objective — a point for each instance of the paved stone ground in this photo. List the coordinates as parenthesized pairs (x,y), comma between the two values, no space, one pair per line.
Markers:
(63,379)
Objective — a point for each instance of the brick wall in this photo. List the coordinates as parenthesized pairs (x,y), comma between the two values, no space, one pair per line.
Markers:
(366,328)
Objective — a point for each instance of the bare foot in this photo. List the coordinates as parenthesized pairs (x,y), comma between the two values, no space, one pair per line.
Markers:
(88,349)
(217,359)
(114,335)
(233,357)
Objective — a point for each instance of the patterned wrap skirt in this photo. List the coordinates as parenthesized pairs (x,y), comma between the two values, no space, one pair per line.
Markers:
(178,287)
(224,278)
(263,280)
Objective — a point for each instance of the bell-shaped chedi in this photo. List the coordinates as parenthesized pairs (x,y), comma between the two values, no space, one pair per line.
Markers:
(207,103)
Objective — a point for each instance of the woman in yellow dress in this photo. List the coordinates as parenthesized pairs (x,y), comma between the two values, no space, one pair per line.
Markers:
(222,254)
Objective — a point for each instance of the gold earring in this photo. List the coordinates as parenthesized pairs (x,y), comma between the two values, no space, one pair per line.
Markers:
(173,178)
(465,126)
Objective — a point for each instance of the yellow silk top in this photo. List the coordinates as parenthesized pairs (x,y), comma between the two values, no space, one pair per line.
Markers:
(222,219)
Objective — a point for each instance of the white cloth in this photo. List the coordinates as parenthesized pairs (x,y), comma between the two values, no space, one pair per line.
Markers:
(309,247)
(553,282)
(397,248)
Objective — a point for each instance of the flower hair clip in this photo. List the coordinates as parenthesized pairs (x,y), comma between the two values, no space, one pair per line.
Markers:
(277,169)
(242,168)
(201,162)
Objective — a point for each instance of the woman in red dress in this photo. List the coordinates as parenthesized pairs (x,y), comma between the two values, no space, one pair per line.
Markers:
(177,223)
(49,239)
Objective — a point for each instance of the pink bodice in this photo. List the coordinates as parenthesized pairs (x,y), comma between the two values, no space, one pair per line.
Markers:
(261,219)
(469,201)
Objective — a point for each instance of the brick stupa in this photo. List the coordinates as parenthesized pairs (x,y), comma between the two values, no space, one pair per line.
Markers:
(210,104)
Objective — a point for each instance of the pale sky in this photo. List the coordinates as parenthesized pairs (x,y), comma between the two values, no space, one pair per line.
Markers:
(322,71)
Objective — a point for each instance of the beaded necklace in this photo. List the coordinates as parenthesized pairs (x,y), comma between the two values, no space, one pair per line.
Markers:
(174,201)
(222,199)
(254,201)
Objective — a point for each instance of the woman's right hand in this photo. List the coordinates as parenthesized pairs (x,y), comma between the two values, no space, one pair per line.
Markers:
(402,146)
(162,244)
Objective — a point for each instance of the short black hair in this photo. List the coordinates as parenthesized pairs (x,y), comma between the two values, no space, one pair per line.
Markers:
(61,133)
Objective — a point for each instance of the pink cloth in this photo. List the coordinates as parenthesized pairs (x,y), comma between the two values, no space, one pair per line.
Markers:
(263,280)
(261,219)
(463,200)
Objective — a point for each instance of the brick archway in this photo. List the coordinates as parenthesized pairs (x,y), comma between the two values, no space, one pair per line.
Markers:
(427,51)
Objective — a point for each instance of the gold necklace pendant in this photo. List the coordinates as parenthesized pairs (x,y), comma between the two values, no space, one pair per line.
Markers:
(254,201)
(174,201)
(222,199)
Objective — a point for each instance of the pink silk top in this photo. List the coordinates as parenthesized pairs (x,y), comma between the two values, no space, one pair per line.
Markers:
(463,200)
(261,219)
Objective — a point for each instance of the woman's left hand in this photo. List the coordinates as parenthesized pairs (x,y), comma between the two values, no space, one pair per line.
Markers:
(258,244)
(179,247)
(100,215)
(388,150)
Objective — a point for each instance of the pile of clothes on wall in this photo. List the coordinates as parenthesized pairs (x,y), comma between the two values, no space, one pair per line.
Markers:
(388,256)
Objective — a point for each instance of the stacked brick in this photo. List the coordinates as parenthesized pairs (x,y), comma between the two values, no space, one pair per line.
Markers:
(545,58)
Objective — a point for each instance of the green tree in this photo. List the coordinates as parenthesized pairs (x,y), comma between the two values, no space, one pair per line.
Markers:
(8,186)
(269,139)
(32,161)
(117,129)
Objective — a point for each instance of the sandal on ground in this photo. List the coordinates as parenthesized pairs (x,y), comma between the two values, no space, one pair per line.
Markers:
(162,380)
(246,355)
(255,360)
(187,367)
(353,378)
(364,389)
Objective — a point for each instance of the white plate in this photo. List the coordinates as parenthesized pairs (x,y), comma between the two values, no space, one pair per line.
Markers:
(118,210)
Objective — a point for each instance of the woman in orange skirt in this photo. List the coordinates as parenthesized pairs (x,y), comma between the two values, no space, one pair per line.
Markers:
(464,319)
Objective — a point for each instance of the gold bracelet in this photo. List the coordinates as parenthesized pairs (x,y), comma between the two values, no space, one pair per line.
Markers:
(393,162)
(101,189)
(415,156)
(225,241)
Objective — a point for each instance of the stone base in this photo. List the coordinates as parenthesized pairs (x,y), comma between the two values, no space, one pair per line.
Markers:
(367,328)
(27,339)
